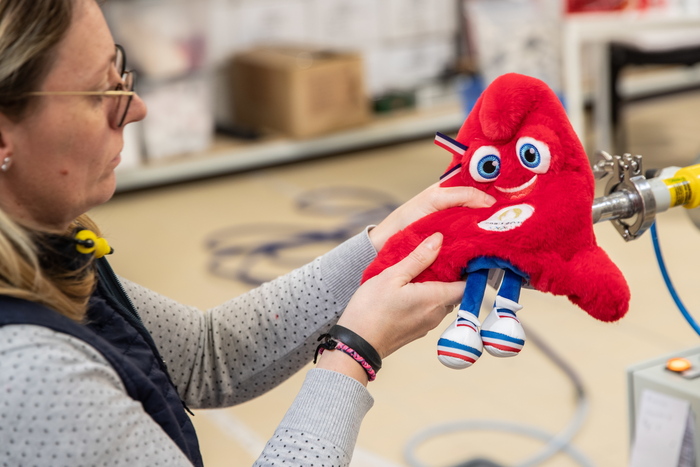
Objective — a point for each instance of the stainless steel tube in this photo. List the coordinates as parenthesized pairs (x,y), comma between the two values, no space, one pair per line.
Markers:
(617,205)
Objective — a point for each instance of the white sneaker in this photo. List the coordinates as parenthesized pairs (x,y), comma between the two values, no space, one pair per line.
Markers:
(502,333)
(460,345)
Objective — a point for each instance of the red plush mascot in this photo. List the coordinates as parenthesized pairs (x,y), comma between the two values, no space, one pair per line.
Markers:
(518,146)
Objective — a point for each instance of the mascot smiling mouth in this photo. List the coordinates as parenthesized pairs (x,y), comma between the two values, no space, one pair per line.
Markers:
(519,191)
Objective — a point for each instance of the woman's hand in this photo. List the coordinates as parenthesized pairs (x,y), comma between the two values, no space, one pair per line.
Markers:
(389,310)
(432,199)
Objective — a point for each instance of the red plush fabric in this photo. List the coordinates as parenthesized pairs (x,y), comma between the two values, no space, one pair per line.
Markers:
(555,245)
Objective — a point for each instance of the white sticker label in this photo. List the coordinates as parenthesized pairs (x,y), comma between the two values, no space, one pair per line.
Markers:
(664,432)
(508,218)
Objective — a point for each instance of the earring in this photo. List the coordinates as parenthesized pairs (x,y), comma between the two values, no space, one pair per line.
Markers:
(6,164)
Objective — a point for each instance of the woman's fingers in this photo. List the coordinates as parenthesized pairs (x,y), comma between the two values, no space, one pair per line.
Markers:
(461,196)
(432,199)
(419,259)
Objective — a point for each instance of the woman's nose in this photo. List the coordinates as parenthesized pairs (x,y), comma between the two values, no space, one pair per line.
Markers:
(137,110)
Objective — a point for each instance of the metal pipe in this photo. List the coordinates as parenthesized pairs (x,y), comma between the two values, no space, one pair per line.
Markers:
(617,205)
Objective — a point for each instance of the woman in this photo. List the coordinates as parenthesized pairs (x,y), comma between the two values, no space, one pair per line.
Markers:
(95,369)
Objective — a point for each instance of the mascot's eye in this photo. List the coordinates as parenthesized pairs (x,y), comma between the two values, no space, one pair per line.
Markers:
(488,166)
(533,155)
(530,155)
(485,164)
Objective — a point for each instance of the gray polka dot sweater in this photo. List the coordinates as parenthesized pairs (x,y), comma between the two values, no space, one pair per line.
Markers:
(61,404)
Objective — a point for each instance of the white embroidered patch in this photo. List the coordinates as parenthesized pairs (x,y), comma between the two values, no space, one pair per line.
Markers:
(508,218)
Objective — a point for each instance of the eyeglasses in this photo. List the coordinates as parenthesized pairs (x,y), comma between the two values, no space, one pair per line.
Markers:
(124,91)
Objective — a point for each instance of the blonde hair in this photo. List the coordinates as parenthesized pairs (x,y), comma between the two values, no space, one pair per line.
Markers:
(30,30)
(29,33)
(22,276)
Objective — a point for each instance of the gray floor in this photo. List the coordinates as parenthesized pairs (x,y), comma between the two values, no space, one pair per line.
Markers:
(159,237)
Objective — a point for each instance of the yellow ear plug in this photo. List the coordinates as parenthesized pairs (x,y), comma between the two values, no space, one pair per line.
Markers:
(102,248)
(88,242)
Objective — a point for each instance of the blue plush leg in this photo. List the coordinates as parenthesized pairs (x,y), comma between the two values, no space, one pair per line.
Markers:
(510,286)
(474,291)
(502,333)
(460,345)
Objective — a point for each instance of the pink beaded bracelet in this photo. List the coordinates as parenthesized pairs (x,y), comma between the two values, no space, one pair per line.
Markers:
(371,374)
(332,344)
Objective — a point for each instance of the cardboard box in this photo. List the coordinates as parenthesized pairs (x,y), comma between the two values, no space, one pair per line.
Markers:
(298,91)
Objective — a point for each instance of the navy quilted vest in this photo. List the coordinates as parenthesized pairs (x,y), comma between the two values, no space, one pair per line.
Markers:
(115,330)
